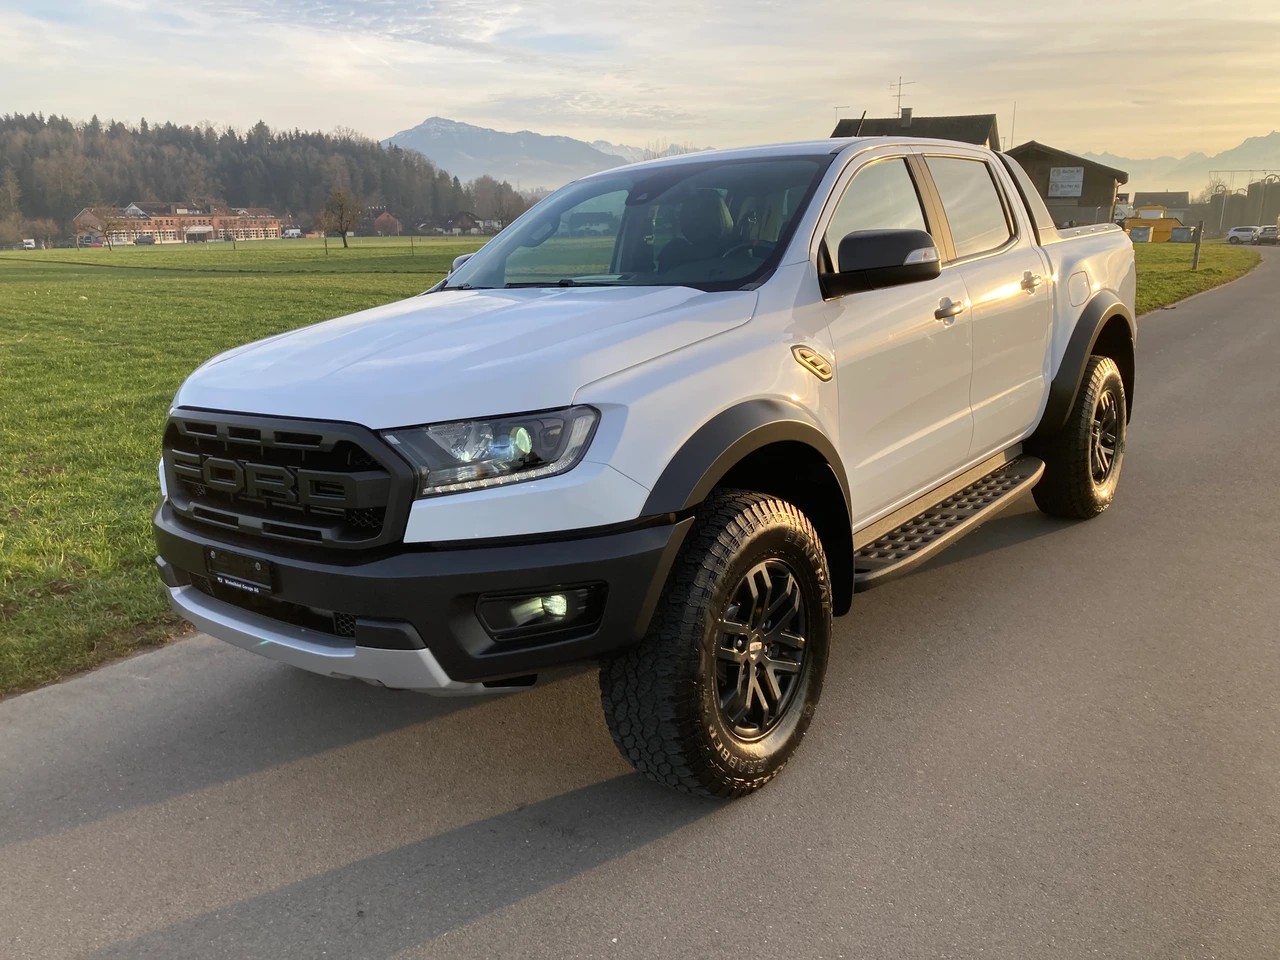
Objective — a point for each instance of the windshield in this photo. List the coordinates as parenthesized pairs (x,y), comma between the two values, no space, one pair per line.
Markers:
(717,225)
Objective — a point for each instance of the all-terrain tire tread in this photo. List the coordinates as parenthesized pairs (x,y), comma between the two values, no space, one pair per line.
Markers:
(650,703)
(1067,489)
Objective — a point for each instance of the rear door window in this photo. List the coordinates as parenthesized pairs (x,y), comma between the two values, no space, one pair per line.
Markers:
(977,215)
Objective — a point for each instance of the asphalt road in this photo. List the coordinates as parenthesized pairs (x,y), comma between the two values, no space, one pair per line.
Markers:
(1056,740)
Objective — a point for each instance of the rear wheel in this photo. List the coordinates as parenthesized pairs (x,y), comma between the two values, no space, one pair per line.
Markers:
(1083,459)
(719,693)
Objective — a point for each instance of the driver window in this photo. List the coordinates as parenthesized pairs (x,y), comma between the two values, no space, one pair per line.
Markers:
(881,196)
(581,246)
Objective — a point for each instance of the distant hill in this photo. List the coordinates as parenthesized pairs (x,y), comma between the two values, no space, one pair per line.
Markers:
(1192,172)
(529,160)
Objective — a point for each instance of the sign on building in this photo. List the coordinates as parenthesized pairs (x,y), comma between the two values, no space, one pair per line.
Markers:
(1066,181)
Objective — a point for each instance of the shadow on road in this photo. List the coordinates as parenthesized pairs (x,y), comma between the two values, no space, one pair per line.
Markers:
(243,715)
(377,907)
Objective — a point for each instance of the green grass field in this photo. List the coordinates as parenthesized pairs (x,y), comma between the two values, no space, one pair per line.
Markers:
(93,344)
(1164,270)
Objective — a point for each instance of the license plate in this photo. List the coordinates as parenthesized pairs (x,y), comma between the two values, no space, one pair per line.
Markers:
(236,572)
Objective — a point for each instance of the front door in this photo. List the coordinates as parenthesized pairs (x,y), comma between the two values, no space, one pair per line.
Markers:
(902,371)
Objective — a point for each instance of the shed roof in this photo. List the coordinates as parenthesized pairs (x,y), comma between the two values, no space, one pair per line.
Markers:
(1155,198)
(978,128)
(1031,146)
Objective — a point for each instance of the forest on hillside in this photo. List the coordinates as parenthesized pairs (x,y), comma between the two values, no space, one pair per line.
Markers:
(51,168)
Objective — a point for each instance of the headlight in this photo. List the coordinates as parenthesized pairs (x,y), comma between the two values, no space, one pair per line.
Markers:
(473,454)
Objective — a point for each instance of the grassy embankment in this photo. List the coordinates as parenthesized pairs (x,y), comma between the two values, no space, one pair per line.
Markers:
(93,344)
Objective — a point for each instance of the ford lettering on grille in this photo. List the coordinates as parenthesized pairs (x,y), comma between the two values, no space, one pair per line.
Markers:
(264,481)
(332,485)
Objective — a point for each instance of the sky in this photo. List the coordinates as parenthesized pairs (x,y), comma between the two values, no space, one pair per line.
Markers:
(1136,78)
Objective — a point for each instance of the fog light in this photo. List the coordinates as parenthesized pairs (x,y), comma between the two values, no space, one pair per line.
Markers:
(575,610)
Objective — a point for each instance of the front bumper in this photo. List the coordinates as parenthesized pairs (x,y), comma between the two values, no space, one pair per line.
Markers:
(412,611)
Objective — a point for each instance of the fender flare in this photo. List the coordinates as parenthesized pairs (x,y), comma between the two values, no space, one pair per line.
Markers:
(726,439)
(1070,376)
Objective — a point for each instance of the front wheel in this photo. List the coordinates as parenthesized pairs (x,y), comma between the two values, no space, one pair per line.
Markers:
(1083,459)
(718,694)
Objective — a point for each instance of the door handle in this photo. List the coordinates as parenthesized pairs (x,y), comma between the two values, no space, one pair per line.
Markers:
(948,310)
(1030,281)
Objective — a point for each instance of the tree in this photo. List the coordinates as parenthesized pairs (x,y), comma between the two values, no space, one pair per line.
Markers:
(341,213)
(10,207)
(1215,185)
(10,194)
(43,229)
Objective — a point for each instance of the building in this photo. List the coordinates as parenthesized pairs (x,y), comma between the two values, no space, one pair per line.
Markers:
(1076,190)
(177,222)
(385,225)
(1176,203)
(979,128)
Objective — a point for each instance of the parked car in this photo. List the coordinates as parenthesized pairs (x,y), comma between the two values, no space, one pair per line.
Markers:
(28,244)
(1269,235)
(145,240)
(1242,234)
(793,372)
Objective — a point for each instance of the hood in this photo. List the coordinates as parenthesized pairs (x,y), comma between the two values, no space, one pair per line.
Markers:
(451,355)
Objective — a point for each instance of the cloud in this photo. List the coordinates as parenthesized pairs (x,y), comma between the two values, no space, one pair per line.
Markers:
(1146,76)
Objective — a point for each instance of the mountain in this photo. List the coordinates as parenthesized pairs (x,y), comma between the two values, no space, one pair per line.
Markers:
(1192,172)
(526,159)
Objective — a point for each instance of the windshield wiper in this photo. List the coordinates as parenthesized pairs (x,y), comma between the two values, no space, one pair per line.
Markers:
(463,286)
(562,282)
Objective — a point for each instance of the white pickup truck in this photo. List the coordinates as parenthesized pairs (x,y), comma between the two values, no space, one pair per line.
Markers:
(669,421)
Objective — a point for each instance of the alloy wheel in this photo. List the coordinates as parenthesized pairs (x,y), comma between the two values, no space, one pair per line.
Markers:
(760,649)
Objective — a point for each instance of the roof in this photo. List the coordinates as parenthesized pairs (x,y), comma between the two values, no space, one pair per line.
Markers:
(100,213)
(1032,146)
(980,128)
(1152,198)
(153,207)
(204,229)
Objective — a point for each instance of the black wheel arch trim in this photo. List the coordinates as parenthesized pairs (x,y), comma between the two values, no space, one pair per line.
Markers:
(1069,380)
(724,440)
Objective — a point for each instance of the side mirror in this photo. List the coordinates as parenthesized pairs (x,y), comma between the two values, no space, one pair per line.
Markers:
(872,259)
(459,261)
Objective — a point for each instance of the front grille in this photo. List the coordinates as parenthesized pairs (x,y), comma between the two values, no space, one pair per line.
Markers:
(330,485)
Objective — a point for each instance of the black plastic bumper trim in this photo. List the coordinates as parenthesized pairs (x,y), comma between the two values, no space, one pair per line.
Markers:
(434,592)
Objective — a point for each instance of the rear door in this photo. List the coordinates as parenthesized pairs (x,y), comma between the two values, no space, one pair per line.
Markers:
(1010,313)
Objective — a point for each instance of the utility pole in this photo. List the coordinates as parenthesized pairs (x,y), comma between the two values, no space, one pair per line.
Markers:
(899,84)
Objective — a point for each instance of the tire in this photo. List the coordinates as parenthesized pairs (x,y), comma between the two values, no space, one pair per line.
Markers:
(1083,459)
(1235,240)
(675,703)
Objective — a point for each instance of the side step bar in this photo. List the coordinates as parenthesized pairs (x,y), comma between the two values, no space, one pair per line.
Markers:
(935,527)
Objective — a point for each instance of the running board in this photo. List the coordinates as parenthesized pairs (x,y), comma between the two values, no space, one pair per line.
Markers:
(940,525)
